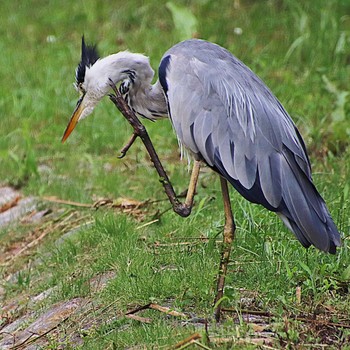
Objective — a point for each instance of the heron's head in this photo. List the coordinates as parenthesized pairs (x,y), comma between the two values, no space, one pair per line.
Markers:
(94,75)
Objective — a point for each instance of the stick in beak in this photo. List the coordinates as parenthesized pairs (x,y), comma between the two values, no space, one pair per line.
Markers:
(74,119)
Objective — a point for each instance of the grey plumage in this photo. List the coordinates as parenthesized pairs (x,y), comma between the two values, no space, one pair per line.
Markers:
(224,114)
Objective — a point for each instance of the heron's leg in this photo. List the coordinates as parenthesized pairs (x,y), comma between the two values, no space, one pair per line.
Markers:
(139,130)
(193,184)
(128,145)
(229,232)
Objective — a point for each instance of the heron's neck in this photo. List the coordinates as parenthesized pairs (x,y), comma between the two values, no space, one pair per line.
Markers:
(148,100)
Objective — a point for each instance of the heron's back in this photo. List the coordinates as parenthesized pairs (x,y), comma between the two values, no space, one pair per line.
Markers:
(223,113)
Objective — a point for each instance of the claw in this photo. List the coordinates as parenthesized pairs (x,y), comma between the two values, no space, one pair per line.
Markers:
(125,149)
(121,155)
(111,84)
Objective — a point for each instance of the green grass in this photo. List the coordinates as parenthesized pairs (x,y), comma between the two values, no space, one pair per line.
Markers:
(299,48)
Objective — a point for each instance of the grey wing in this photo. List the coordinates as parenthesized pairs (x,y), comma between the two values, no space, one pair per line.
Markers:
(224,113)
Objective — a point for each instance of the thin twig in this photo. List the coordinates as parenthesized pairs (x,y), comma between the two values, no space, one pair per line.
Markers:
(125,149)
(175,244)
(200,345)
(62,201)
(140,308)
(261,342)
(186,341)
(139,318)
(297,318)
(166,310)
(322,322)
(147,224)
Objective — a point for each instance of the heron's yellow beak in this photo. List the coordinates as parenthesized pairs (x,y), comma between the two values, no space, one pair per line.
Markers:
(74,119)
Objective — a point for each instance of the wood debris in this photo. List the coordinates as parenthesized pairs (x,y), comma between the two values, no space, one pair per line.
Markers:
(153,306)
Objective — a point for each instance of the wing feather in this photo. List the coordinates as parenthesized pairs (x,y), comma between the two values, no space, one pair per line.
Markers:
(224,113)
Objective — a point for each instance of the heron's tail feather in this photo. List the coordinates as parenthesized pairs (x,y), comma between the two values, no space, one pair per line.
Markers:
(305,213)
(300,206)
(329,242)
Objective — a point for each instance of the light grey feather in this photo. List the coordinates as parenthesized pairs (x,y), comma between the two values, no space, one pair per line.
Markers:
(223,112)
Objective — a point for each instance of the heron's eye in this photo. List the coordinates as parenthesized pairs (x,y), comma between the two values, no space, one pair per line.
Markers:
(124,87)
(81,89)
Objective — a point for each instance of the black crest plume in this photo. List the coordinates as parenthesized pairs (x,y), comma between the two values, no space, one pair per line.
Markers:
(89,56)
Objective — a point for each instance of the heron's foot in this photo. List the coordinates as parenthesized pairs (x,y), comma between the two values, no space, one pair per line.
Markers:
(126,148)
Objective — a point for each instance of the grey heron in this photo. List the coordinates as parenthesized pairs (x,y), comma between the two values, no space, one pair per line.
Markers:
(227,118)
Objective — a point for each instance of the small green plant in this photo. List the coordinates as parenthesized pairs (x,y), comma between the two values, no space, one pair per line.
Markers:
(339,129)
(184,20)
(26,166)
